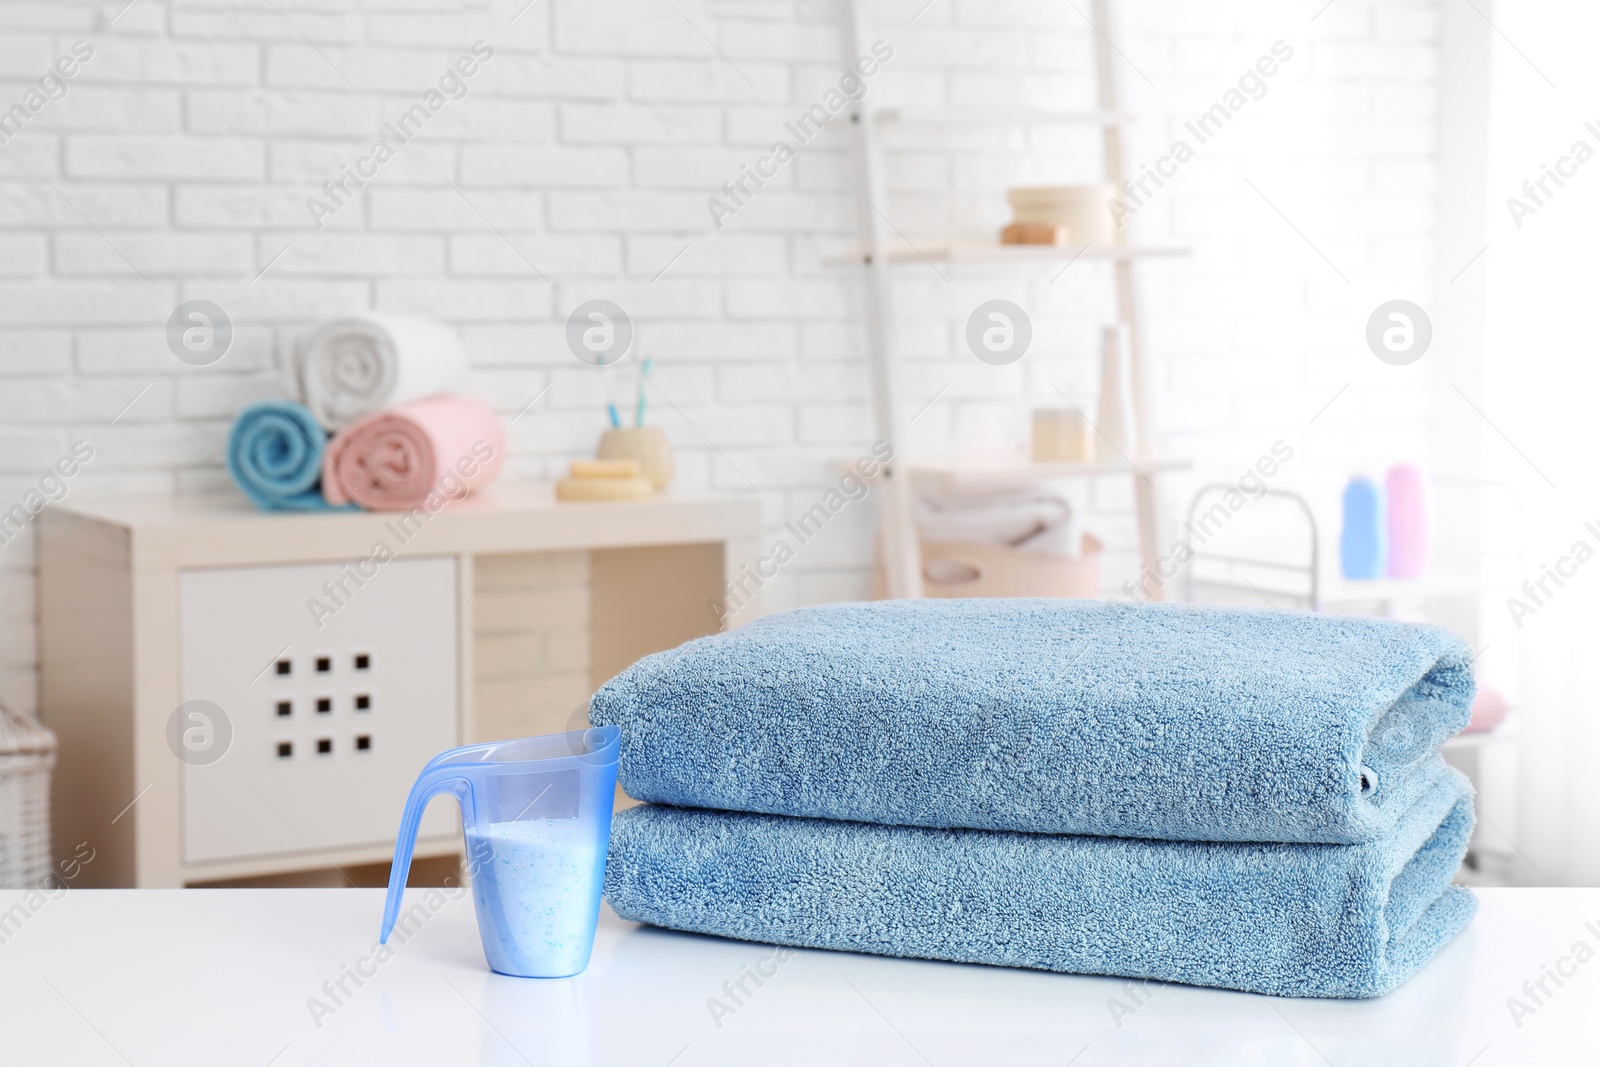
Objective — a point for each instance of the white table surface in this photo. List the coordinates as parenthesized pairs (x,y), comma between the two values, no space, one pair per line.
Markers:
(223,977)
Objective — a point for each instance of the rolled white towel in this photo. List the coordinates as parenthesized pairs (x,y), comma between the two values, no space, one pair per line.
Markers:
(349,367)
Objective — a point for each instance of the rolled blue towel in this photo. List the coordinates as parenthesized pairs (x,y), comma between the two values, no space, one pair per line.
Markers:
(1179,722)
(275,456)
(1289,920)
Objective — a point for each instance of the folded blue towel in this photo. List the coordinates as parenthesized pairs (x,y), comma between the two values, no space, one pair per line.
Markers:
(275,457)
(1290,920)
(1178,722)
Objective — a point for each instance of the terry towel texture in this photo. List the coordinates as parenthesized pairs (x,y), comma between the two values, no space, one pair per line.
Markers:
(1283,919)
(350,367)
(275,456)
(442,447)
(1178,722)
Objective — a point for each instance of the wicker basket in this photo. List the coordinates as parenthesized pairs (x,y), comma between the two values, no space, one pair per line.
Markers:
(974,568)
(27,753)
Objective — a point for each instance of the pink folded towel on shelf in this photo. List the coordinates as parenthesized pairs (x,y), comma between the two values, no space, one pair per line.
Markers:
(441,448)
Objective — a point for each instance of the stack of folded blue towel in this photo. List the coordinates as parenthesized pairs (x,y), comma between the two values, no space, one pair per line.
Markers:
(1245,799)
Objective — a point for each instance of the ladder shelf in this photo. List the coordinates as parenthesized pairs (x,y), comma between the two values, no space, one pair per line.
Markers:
(876,254)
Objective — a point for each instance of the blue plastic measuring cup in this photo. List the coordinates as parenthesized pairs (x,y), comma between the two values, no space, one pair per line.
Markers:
(537,818)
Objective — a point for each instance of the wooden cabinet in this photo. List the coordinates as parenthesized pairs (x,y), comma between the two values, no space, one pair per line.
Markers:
(240,694)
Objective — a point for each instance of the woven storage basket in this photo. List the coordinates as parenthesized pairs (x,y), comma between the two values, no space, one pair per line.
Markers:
(972,568)
(27,753)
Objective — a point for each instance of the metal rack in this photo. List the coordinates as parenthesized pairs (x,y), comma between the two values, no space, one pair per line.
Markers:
(1303,583)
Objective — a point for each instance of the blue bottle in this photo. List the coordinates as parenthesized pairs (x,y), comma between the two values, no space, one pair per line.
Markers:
(1362,551)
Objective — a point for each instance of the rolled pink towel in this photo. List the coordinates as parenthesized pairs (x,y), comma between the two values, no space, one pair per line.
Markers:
(1489,710)
(419,454)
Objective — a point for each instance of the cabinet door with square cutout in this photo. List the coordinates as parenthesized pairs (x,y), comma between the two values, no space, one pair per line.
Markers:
(332,686)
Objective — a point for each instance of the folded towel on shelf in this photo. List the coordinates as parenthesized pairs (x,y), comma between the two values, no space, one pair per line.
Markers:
(275,456)
(350,367)
(1283,919)
(1026,518)
(396,460)
(1172,721)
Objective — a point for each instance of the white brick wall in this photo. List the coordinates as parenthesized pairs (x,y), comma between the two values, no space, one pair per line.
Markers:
(179,163)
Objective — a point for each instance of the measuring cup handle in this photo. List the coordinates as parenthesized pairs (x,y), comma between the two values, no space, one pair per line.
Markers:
(429,784)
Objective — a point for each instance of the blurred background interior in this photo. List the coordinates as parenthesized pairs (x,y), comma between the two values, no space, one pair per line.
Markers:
(1329,348)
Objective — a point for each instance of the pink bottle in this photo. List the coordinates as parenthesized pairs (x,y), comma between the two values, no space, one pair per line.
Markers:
(1408,521)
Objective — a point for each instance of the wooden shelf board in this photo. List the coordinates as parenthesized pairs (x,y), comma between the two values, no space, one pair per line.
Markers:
(1022,473)
(1363,590)
(972,251)
(225,529)
(1501,734)
(1017,116)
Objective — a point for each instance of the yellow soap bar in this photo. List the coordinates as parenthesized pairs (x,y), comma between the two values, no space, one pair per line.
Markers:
(635,488)
(605,468)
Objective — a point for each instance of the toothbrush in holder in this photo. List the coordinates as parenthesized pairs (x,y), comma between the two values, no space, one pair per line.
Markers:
(644,376)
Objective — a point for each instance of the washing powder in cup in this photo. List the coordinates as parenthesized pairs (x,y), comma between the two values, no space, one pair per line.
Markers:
(536,884)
